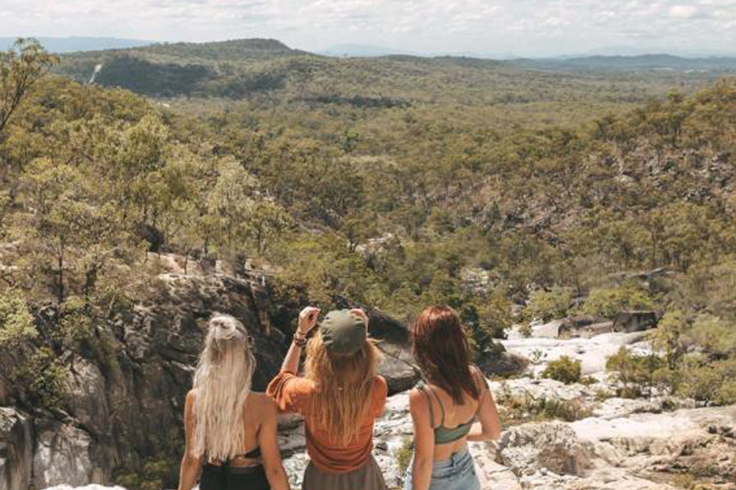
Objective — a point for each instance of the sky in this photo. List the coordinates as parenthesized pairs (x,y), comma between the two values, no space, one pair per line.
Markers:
(489,27)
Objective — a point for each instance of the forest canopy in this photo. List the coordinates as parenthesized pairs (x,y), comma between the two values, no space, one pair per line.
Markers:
(394,199)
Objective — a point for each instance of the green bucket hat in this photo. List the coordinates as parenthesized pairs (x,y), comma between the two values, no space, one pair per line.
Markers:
(342,332)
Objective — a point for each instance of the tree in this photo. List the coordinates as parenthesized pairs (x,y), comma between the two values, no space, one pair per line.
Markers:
(20,68)
(231,201)
(65,228)
(16,322)
(266,221)
(670,337)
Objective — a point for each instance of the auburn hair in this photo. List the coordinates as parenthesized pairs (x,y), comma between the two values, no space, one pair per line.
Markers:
(344,384)
(441,350)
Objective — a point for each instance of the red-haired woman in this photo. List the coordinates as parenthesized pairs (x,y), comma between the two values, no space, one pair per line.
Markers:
(445,408)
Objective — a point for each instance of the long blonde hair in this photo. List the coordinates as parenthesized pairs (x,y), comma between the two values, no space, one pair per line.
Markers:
(343,388)
(222,384)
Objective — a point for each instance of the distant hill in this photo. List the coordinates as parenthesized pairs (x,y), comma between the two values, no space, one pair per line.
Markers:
(233,50)
(76,44)
(640,50)
(224,68)
(361,50)
(631,63)
(269,71)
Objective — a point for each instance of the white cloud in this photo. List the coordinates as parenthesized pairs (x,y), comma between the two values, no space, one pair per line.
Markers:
(683,11)
(529,27)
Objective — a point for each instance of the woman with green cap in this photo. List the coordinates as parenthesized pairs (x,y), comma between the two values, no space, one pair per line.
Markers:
(340,397)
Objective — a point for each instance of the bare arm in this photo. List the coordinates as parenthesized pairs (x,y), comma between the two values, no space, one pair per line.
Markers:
(488,428)
(421,471)
(291,361)
(191,467)
(270,453)
(307,321)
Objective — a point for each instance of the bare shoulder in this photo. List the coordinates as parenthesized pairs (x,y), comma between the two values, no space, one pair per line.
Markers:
(479,377)
(417,399)
(262,404)
(380,384)
(191,396)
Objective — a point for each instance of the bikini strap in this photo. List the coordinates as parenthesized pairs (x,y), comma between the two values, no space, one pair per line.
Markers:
(253,454)
(423,389)
(479,372)
(442,407)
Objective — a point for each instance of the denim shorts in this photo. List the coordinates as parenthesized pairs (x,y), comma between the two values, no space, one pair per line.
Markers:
(454,473)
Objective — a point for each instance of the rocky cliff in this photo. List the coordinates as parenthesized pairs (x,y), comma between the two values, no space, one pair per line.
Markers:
(121,403)
(119,416)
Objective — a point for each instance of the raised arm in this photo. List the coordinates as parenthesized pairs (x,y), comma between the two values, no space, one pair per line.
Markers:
(421,470)
(307,321)
(270,454)
(191,467)
(488,428)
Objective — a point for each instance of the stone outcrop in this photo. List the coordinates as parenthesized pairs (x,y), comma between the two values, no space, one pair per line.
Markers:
(592,352)
(552,446)
(499,361)
(123,409)
(121,403)
(64,455)
(624,444)
(617,448)
(699,442)
(636,321)
(16,449)
(86,487)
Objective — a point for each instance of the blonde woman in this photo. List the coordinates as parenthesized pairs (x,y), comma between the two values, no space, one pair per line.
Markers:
(339,395)
(230,431)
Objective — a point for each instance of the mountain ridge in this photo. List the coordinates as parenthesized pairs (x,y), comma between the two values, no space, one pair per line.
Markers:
(74,44)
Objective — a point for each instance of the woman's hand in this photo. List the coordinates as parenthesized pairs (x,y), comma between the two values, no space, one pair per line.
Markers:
(360,314)
(307,320)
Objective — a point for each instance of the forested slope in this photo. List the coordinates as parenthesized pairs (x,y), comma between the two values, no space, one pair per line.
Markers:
(394,205)
(268,74)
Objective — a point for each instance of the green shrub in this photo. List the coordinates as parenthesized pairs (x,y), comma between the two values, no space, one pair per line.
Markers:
(669,337)
(523,409)
(495,315)
(547,305)
(567,410)
(563,369)
(404,454)
(16,321)
(609,302)
(684,480)
(155,475)
(43,376)
(714,335)
(603,395)
(727,393)
(75,323)
(710,382)
(635,372)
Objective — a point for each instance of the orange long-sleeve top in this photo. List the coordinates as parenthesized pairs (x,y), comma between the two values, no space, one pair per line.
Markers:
(292,393)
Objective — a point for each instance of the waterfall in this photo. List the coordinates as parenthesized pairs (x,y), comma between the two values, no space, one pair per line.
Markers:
(98,68)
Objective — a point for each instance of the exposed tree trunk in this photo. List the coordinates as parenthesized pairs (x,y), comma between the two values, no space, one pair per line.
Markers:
(60,275)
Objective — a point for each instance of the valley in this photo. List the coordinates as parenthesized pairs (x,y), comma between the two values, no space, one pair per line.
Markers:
(580,216)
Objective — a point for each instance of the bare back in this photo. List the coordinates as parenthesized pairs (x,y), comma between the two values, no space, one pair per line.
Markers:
(258,408)
(454,416)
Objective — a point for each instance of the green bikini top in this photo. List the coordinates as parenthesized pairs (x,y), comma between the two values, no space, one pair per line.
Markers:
(442,434)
